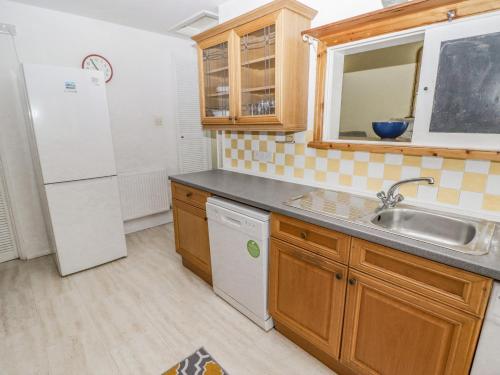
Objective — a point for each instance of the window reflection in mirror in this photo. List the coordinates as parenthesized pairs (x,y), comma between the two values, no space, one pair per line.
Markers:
(380,86)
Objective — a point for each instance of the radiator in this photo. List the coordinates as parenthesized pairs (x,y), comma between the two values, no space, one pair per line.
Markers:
(143,193)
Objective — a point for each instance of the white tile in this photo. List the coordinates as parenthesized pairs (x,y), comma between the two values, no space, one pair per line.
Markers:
(310,151)
(255,166)
(241,164)
(279,159)
(427,193)
(289,148)
(334,154)
(361,156)
(263,137)
(493,185)
(255,145)
(477,166)
(289,171)
(234,154)
(241,143)
(332,178)
(432,162)
(309,174)
(410,172)
(247,154)
(359,182)
(451,179)
(271,147)
(346,166)
(271,169)
(321,164)
(300,161)
(386,184)
(470,201)
(376,170)
(394,159)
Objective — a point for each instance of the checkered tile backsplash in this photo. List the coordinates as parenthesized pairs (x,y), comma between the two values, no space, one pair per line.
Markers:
(466,184)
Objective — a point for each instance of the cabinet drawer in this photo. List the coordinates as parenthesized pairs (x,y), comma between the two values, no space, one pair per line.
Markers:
(455,287)
(325,242)
(190,195)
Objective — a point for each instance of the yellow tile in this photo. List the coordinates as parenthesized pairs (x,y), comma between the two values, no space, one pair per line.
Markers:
(374,184)
(495,167)
(280,148)
(434,173)
(298,172)
(255,135)
(234,163)
(454,165)
(320,153)
(409,190)
(345,179)
(248,164)
(361,168)
(392,172)
(412,161)
(263,146)
(299,149)
(227,134)
(475,182)
(234,143)
(271,137)
(241,155)
(280,170)
(333,165)
(347,155)
(227,152)
(248,144)
(289,160)
(320,176)
(377,158)
(241,135)
(491,202)
(262,167)
(449,196)
(310,162)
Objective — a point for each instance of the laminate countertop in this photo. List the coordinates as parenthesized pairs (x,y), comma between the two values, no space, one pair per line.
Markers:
(270,195)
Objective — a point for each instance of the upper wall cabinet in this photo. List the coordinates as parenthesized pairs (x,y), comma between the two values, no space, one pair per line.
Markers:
(253,70)
(419,78)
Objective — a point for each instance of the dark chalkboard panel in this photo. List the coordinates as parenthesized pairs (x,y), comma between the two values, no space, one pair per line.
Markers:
(467,95)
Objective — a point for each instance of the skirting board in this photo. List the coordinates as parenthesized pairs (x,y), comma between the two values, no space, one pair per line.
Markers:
(136,225)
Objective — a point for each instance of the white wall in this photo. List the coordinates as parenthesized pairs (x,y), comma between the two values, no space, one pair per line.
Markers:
(142,89)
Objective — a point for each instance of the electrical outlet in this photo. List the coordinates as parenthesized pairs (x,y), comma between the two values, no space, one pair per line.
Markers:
(263,156)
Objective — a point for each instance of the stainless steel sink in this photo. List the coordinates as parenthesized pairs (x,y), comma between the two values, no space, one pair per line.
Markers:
(464,234)
(427,226)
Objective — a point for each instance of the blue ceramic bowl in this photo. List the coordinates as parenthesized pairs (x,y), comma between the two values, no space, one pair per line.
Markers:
(389,129)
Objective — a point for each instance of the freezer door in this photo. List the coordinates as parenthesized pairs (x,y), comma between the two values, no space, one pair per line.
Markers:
(70,122)
(86,222)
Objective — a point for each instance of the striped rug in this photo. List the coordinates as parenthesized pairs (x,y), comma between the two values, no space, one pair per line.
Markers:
(198,363)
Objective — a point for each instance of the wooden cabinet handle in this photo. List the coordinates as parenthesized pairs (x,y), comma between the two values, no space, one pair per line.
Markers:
(303,235)
(338,276)
(189,194)
(352,281)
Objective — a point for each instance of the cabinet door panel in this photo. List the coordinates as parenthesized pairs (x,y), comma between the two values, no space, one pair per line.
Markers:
(391,331)
(257,68)
(214,56)
(191,235)
(307,295)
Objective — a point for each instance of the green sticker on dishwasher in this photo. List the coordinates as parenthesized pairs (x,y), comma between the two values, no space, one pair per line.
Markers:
(253,248)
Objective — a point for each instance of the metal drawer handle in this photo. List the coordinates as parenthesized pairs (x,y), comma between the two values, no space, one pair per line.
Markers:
(303,235)
(352,281)
(189,194)
(338,276)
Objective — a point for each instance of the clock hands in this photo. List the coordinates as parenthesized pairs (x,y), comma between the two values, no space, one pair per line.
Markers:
(93,63)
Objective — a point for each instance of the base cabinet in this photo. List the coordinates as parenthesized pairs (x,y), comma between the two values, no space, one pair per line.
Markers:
(392,331)
(191,230)
(307,294)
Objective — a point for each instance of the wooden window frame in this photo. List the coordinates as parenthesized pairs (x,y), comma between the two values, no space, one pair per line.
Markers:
(414,14)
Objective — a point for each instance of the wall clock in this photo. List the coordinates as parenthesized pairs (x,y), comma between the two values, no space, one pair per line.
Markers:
(100,63)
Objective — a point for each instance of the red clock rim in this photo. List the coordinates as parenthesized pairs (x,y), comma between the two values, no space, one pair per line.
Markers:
(102,57)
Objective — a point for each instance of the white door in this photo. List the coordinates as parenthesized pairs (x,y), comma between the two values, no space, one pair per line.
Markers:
(87,223)
(8,249)
(194,143)
(71,122)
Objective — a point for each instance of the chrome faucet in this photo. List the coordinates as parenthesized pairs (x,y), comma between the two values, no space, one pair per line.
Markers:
(391,199)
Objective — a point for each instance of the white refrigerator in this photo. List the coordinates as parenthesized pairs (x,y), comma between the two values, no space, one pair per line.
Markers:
(73,154)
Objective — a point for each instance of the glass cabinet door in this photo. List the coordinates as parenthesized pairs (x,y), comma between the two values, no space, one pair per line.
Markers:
(258,72)
(216,80)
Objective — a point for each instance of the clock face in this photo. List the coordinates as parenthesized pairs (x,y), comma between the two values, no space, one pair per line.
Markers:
(97,62)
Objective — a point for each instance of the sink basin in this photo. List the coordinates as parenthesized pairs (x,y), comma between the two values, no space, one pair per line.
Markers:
(462,234)
(427,226)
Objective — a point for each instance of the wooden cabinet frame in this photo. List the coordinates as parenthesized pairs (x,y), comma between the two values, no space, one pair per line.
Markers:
(416,13)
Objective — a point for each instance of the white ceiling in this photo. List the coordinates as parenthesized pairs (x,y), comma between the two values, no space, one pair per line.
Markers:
(153,15)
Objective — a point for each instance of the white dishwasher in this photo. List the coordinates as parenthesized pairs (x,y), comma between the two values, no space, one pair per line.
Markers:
(239,252)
